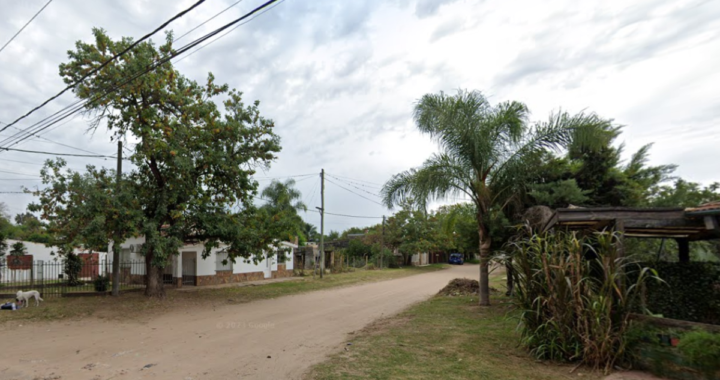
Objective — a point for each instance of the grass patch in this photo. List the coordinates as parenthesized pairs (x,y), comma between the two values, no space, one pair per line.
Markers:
(137,307)
(443,338)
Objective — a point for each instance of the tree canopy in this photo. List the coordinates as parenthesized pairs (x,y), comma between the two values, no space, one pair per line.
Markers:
(193,160)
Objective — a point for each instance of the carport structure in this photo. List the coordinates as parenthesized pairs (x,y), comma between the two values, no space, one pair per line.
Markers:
(682,224)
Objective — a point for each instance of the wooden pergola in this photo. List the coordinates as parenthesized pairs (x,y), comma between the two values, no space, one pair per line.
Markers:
(683,225)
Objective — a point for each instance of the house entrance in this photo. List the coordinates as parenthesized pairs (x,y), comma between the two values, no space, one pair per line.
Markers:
(189,268)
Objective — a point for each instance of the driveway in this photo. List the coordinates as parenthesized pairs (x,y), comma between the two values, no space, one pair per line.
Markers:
(276,338)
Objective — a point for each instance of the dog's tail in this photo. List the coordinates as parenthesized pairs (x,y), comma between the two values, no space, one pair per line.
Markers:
(41,298)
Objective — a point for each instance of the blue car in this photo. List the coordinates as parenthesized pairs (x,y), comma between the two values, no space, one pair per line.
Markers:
(456,258)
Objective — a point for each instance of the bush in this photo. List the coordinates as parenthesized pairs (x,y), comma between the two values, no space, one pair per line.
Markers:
(102,283)
(702,349)
(473,261)
(691,291)
(73,266)
(573,308)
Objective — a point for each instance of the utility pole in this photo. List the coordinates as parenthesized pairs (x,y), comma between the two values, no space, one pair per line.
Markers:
(116,240)
(322,222)
(382,242)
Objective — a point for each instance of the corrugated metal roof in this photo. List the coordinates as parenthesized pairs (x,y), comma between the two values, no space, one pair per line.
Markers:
(707,207)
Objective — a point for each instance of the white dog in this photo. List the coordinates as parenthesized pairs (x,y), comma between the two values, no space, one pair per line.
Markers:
(24,297)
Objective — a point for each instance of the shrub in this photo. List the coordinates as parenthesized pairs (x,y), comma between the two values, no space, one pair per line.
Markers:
(102,283)
(691,291)
(473,261)
(702,349)
(73,266)
(573,296)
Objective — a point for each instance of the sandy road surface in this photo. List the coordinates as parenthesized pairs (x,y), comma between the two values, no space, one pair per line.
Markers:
(269,339)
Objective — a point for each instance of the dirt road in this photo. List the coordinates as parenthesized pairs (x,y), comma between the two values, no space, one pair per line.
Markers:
(270,339)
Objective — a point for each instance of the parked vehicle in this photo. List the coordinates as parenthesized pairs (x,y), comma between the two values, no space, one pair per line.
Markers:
(456,258)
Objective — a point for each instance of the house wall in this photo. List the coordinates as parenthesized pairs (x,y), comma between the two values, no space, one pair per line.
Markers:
(206,269)
(42,255)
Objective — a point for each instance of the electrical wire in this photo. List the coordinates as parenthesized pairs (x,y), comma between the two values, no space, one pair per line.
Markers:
(349,184)
(13,192)
(95,70)
(228,32)
(361,196)
(23,162)
(208,20)
(358,180)
(354,216)
(79,105)
(24,26)
(60,154)
(29,175)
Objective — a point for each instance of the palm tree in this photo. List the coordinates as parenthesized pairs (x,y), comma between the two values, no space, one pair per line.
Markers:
(310,231)
(484,151)
(283,206)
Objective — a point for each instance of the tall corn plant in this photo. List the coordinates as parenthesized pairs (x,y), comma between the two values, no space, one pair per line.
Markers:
(575,296)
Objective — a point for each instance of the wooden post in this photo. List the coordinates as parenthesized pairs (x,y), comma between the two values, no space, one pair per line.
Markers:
(322,223)
(683,250)
(620,227)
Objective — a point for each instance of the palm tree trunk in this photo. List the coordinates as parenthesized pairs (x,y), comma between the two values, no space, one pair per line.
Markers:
(484,261)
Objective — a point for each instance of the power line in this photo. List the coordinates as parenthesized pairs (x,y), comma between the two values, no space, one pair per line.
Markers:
(13,192)
(349,184)
(24,26)
(23,162)
(79,105)
(359,180)
(208,20)
(92,72)
(354,216)
(59,154)
(20,179)
(229,31)
(361,196)
(30,175)
(58,143)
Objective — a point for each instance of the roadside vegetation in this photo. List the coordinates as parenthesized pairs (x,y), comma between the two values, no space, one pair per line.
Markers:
(133,306)
(444,338)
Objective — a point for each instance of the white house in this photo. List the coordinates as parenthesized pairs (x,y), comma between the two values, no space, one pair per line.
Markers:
(45,265)
(189,268)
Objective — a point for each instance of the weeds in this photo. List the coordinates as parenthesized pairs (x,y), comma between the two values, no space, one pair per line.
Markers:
(574,296)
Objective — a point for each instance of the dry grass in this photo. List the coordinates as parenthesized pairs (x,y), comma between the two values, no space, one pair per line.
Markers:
(135,306)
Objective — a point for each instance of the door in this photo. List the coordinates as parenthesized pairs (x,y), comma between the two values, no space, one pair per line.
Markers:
(189,268)
(267,270)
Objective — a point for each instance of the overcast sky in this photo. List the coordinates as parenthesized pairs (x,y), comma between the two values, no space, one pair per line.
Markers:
(340,78)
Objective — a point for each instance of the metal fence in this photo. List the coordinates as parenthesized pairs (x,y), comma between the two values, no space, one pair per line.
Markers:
(50,278)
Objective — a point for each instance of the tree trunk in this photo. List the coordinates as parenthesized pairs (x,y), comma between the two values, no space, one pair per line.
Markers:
(154,278)
(484,261)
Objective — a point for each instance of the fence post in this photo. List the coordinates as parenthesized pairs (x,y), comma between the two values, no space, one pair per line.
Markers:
(32,273)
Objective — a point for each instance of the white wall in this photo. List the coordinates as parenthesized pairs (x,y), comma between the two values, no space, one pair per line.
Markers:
(41,255)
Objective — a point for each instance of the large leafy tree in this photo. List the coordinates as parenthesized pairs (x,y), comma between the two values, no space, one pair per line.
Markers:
(193,160)
(484,154)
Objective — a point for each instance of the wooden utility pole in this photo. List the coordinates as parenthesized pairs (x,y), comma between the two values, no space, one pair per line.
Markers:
(322,222)
(382,242)
(116,240)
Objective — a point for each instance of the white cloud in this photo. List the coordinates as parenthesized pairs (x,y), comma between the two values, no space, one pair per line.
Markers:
(340,78)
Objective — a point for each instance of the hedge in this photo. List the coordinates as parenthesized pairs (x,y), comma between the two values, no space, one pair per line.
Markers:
(691,291)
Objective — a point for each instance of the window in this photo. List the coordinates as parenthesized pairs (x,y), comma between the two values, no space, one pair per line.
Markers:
(222,262)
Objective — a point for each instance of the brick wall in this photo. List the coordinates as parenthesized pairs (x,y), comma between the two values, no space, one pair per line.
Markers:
(282,272)
(227,277)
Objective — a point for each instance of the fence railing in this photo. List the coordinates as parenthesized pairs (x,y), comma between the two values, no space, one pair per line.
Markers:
(51,278)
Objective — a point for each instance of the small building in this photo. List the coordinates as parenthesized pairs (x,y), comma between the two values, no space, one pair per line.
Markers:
(189,268)
(41,262)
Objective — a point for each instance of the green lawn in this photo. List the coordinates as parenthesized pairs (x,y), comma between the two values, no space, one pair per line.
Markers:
(135,306)
(443,338)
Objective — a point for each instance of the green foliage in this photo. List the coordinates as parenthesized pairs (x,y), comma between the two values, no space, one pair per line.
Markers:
(702,348)
(282,208)
(691,291)
(101,283)
(18,249)
(194,159)
(73,266)
(573,296)
(486,153)
(684,194)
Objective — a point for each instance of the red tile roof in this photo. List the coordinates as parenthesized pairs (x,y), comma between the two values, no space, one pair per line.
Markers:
(712,206)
